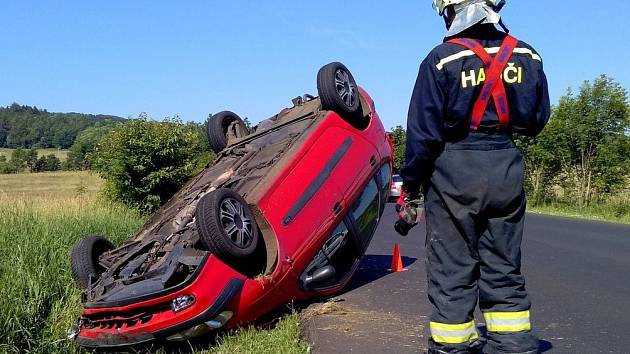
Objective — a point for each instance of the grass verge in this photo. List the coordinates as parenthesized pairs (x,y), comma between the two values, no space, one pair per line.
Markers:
(283,338)
(38,299)
(617,213)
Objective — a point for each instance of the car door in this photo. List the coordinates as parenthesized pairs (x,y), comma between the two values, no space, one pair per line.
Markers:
(358,163)
(347,243)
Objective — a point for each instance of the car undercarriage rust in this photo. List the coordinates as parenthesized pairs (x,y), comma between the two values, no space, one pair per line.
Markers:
(165,252)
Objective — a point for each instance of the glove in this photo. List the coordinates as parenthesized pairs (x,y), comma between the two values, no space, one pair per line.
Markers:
(410,208)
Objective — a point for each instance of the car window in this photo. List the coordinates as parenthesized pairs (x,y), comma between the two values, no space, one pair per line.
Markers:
(397,179)
(383,177)
(366,211)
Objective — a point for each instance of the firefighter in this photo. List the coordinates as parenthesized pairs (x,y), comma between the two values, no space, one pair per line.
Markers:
(473,93)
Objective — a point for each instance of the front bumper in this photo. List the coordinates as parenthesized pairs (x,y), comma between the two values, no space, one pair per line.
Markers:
(214,289)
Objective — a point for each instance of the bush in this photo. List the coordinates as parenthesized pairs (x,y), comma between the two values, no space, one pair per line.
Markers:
(80,154)
(145,162)
(23,158)
(584,150)
(47,163)
(399,140)
(5,166)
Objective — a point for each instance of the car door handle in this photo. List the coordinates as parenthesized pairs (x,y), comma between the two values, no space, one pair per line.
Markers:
(337,208)
(373,160)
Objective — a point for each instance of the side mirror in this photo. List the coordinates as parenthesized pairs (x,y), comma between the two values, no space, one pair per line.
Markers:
(321,275)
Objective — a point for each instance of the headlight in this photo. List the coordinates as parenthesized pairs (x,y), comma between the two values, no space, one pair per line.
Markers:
(182,302)
(73,332)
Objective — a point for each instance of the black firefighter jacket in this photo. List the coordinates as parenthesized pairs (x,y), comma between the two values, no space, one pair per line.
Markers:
(448,84)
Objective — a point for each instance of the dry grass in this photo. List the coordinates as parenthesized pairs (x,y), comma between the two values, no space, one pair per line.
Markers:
(348,321)
(46,187)
(324,308)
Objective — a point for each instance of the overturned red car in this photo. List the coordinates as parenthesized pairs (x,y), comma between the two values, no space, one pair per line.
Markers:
(285,212)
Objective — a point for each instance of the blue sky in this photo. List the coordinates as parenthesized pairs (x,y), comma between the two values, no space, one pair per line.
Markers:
(192,58)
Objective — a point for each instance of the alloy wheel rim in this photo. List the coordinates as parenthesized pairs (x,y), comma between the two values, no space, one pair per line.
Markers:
(237,226)
(346,89)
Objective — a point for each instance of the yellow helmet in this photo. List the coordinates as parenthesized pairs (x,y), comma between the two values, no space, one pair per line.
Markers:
(441,5)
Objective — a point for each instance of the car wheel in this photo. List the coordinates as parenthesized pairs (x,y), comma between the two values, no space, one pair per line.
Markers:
(84,259)
(339,92)
(226,225)
(219,129)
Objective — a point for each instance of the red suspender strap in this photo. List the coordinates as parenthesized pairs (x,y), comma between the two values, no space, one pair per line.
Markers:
(493,86)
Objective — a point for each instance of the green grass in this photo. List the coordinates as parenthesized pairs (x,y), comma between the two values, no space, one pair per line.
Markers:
(38,300)
(282,339)
(61,154)
(41,217)
(617,211)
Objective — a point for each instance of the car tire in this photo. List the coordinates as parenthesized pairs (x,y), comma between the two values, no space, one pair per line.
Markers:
(226,225)
(218,126)
(339,92)
(84,259)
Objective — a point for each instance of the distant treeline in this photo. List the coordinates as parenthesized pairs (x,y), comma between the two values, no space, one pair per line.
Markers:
(164,153)
(29,127)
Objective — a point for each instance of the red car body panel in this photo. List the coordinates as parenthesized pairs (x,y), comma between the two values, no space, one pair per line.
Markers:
(206,288)
(299,236)
(296,247)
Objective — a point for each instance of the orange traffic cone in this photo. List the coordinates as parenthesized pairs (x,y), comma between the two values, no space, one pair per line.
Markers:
(397,264)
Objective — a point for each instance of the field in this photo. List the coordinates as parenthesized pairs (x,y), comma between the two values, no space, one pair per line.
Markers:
(41,217)
(61,154)
(43,187)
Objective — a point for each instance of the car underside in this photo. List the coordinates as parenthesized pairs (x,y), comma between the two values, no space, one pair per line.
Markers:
(163,254)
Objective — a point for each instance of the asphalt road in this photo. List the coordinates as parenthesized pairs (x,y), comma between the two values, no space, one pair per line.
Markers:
(577,272)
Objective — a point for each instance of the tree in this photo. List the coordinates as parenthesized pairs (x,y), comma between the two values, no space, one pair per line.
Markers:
(399,140)
(145,162)
(585,147)
(63,138)
(81,151)
(30,158)
(595,123)
(26,127)
(18,157)
(543,161)
(3,133)
(47,163)
(5,166)
(21,159)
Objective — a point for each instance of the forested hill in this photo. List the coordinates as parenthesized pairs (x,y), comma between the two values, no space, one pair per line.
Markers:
(26,127)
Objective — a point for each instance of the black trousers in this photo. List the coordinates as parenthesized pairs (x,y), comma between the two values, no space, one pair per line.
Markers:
(475,207)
